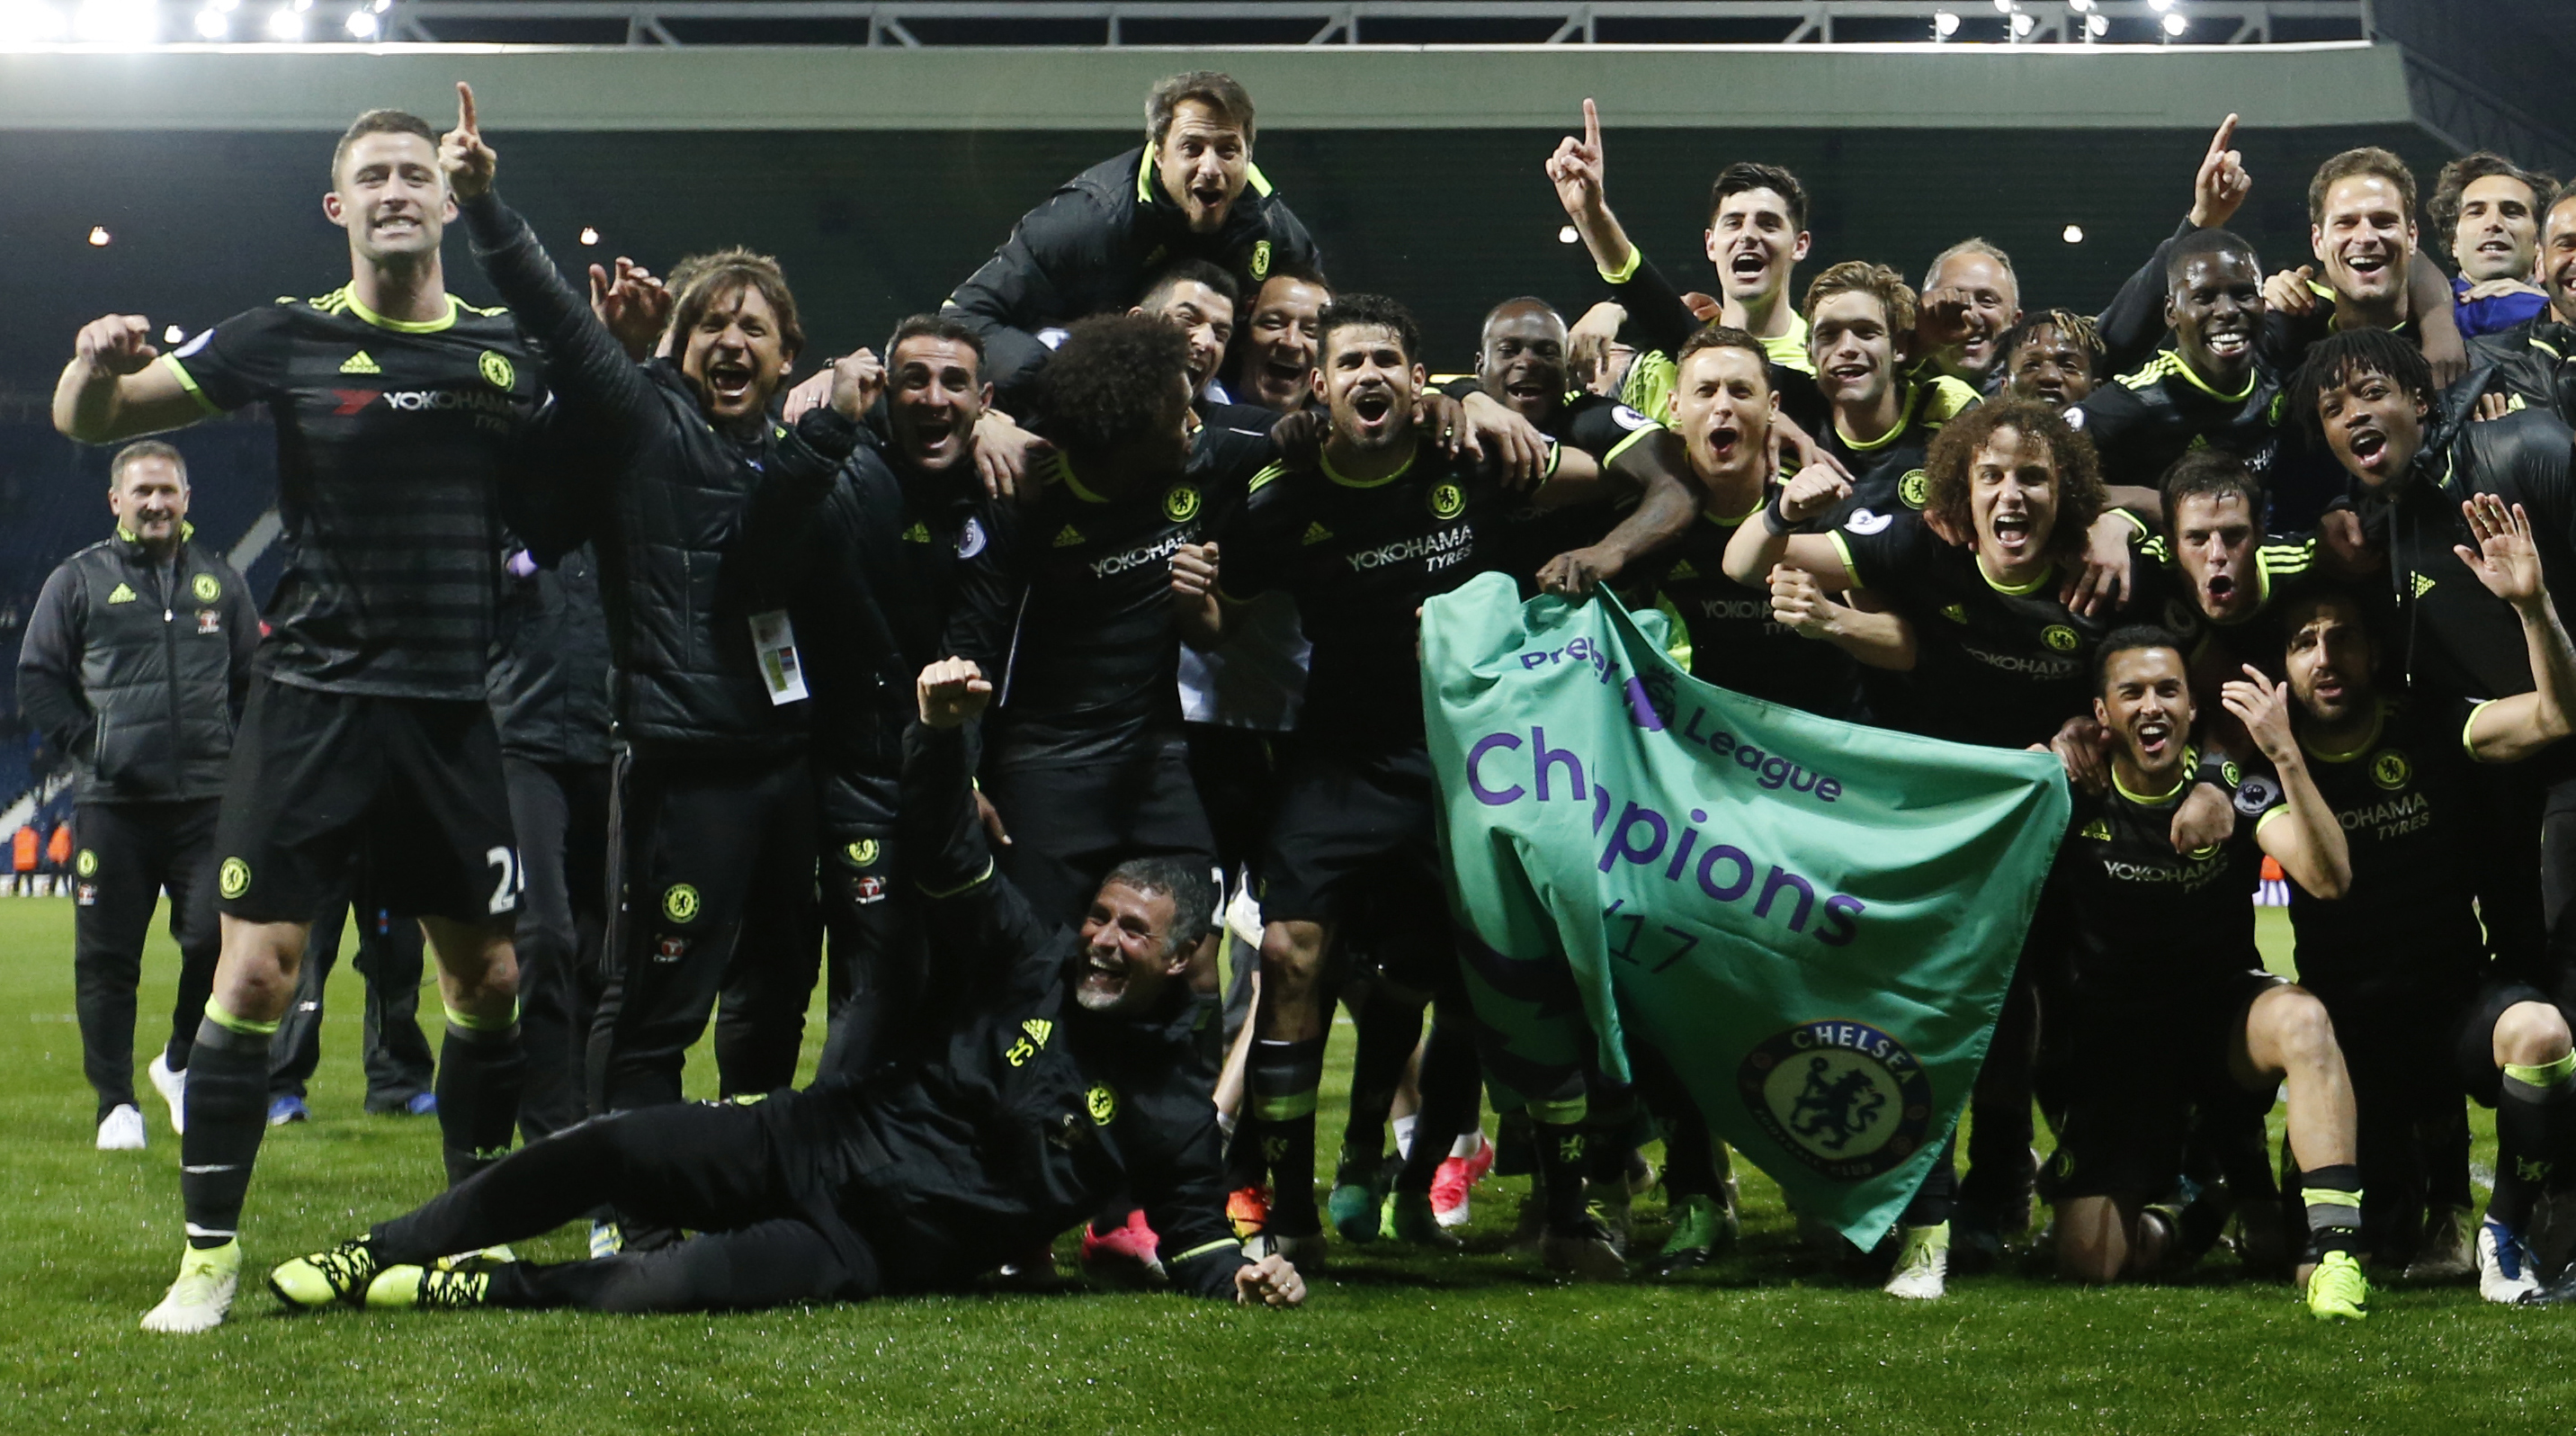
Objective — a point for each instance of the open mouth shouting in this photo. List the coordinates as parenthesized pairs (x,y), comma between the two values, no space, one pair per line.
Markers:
(2013,533)
(2154,736)
(1747,264)
(729,383)
(1373,412)
(2369,449)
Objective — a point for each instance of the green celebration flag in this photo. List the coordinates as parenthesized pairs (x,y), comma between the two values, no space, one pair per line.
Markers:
(1813,922)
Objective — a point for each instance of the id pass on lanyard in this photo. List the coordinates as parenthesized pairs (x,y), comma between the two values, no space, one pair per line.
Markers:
(774,639)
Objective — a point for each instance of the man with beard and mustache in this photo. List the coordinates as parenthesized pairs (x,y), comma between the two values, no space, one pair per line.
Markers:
(1069,1067)
(1192,192)
(2169,1004)
(702,502)
(1383,518)
(2209,390)
(884,556)
(1201,299)
(401,413)
(2533,359)
(2416,464)
(2486,211)
(2400,959)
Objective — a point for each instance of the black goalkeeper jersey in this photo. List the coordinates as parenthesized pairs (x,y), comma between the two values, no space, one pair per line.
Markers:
(2141,422)
(1071,600)
(2151,924)
(1360,557)
(394,440)
(2402,794)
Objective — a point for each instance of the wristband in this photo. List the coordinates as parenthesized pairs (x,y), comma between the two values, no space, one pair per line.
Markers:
(2219,771)
(1774,520)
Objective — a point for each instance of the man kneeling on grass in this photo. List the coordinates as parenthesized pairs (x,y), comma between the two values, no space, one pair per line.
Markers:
(1072,1072)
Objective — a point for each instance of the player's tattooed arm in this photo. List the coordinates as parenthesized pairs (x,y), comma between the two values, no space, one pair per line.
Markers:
(2508,563)
(1668,506)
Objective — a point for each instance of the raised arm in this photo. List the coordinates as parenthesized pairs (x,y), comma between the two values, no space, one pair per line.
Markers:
(1771,540)
(2303,834)
(1019,290)
(113,390)
(2508,563)
(978,920)
(585,363)
(2130,324)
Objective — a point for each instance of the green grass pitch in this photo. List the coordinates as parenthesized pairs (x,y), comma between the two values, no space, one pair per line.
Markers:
(1765,1341)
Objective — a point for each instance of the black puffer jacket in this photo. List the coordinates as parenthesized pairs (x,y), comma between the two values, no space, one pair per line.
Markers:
(2535,361)
(549,686)
(698,527)
(1094,246)
(137,671)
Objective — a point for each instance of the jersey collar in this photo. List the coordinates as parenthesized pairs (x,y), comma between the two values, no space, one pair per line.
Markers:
(2192,377)
(2368,740)
(403,326)
(2014,590)
(1325,461)
(2190,765)
(1904,421)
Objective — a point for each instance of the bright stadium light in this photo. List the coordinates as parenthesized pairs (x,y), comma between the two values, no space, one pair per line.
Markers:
(2079,6)
(286,23)
(1944,24)
(361,24)
(2160,6)
(99,238)
(2003,7)
(2072,234)
(173,334)
(2022,25)
(2096,25)
(117,22)
(589,235)
(2175,25)
(25,22)
(213,24)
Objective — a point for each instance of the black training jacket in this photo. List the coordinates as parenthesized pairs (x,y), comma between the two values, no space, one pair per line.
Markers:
(880,564)
(1032,1113)
(1094,246)
(138,672)
(698,529)
(2533,363)
(549,683)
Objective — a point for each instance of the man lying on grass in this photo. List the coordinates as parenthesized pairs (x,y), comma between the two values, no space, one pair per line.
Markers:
(1072,1072)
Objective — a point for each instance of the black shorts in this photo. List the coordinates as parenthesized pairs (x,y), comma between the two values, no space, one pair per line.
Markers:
(411,787)
(1070,823)
(2137,1071)
(1357,844)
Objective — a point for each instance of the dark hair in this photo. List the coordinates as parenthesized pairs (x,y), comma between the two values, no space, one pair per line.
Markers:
(136,453)
(1191,887)
(2078,330)
(2080,497)
(380,122)
(937,326)
(2443,209)
(1302,273)
(700,280)
(2336,359)
(2207,241)
(1111,381)
(1347,310)
(1215,89)
(1713,335)
(2367,160)
(2549,206)
(1743,175)
(1191,271)
(1859,276)
(2129,638)
(2212,472)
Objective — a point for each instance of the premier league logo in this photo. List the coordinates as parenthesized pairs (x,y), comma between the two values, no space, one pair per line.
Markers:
(1844,1097)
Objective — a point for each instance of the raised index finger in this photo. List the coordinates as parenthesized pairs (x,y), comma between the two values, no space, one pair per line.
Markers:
(2218,143)
(465,109)
(1591,126)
